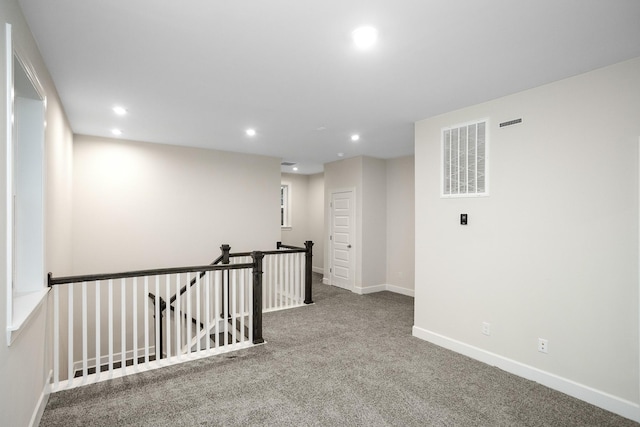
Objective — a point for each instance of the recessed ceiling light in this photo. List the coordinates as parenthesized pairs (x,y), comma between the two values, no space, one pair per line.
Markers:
(295,168)
(365,37)
(116,132)
(250,132)
(121,111)
(340,154)
(355,137)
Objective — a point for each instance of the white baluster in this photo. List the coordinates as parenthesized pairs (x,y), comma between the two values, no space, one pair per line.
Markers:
(134,301)
(110,287)
(189,335)
(251,308)
(207,308)
(56,336)
(295,278)
(198,333)
(242,308)
(280,281)
(287,280)
(216,306)
(178,316)
(123,326)
(157,320)
(97,334)
(225,305)
(300,273)
(273,274)
(85,355)
(70,335)
(234,284)
(167,314)
(146,321)
(265,281)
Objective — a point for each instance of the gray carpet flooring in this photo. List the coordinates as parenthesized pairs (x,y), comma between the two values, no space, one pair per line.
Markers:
(347,360)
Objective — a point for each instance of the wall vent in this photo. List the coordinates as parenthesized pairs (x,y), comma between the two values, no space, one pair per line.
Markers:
(464,160)
(287,163)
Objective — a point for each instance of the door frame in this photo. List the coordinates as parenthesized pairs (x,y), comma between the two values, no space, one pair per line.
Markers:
(354,237)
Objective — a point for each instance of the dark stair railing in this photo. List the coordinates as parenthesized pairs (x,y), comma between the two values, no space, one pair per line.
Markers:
(308,257)
(257,257)
(93,280)
(125,353)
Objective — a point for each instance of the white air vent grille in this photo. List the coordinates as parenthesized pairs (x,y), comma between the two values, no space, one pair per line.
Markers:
(464,160)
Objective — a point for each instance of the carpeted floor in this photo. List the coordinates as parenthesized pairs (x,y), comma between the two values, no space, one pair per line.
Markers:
(348,360)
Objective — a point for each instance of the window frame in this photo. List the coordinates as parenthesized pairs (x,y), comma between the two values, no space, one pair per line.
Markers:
(285,205)
(24,298)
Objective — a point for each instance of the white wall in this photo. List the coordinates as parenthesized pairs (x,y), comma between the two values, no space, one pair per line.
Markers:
(553,252)
(316,211)
(400,224)
(374,222)
(376,232)
(307,214)
(25,365)
(139,205)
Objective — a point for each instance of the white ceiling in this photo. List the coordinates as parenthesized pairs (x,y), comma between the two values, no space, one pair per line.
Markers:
(199,72)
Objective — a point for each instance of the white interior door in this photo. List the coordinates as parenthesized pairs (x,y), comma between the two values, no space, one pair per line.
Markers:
(342,239)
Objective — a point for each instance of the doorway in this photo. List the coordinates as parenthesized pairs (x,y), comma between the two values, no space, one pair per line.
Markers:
(342,239)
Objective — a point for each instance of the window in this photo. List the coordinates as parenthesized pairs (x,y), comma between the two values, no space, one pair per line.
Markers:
(26,282)
(464,160)
(285,211)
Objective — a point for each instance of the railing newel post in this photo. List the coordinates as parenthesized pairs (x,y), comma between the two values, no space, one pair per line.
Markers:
(257,297)
(278,245)
(226,259)
(49,279)
(225,253)
(308,258)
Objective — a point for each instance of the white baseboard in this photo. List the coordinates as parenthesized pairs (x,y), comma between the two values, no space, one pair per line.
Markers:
(369,289)
(377,288)
(383,287)
(401,291)
(319,270)
(117,357)
(42,403)
(588,394)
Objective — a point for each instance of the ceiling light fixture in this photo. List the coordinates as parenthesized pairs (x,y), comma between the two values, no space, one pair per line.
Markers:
(340,154)
(364,37)
(355,137)
(121,111)
(295,169)
(116,132)
(250,132)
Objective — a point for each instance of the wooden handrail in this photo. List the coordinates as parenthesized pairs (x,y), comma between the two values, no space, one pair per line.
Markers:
(141,273)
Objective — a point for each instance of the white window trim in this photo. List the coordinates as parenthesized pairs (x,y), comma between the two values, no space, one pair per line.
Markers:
(21,306)
(287,208)
(486,160)
(9,177)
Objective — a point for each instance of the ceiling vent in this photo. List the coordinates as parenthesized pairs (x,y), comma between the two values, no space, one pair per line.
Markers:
(287,163)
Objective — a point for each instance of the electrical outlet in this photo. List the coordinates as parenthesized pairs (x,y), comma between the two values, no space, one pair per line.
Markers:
(486,328)
(543,345)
